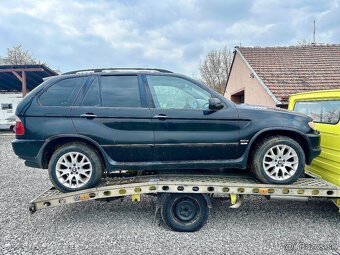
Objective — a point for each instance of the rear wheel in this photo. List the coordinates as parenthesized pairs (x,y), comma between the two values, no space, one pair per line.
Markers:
(185,212)
(75,166)
(278,160)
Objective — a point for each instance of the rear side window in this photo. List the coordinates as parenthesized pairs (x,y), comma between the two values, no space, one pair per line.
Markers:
(62,93)
(92,97)
(327,112)
(120,91)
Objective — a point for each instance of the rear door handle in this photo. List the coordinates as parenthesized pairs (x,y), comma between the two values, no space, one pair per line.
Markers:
(88,115)
(160,117)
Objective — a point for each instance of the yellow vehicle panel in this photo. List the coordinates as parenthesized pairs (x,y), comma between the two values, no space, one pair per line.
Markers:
(324,108)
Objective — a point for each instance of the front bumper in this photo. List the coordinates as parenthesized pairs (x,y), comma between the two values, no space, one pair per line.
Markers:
(314,147)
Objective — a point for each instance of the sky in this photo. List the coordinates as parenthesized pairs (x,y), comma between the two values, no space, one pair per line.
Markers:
(170,34)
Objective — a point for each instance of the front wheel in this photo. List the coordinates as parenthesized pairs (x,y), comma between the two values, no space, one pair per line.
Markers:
(278,160)
(75,166)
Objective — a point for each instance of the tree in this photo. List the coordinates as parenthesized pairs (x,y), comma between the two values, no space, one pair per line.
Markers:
(214,69)
(17,56)
(304,42)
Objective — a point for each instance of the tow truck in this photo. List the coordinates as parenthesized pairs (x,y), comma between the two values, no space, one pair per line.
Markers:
(184,200)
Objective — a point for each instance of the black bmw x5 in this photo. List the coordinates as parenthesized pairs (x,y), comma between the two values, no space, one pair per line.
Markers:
(84,123)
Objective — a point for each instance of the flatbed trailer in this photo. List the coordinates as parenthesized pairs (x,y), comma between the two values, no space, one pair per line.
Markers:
(184,200)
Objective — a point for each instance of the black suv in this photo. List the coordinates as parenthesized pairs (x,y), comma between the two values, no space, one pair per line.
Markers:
(84,123)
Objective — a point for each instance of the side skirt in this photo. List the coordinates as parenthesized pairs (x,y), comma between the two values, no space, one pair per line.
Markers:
(240,163)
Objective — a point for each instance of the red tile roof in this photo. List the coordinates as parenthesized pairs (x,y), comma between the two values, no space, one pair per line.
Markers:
(289,70)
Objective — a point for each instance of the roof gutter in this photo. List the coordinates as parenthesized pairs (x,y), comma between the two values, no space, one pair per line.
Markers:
(257,77)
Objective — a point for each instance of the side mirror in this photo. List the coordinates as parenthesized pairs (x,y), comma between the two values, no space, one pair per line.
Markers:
(215,104)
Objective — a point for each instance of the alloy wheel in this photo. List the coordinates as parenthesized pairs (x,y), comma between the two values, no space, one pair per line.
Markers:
(73,169)
(280,162)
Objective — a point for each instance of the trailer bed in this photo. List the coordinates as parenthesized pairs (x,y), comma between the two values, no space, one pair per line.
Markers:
(234,187)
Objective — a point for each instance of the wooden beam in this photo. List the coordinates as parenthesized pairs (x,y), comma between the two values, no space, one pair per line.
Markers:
(9,70)
(17,75)
(23,84)
(22,78)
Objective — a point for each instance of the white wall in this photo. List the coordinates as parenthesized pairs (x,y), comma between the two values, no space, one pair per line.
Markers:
(9,98)
(240,79)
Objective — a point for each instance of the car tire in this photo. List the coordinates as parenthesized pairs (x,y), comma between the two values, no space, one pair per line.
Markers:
(75,166)
(278,160)
(184,212)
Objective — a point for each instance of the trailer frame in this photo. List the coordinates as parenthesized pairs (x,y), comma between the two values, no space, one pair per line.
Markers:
(232,187)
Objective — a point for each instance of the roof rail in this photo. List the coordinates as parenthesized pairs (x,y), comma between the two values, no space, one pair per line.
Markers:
(99,70)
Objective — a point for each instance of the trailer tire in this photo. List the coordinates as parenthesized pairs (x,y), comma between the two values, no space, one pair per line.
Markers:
(90,173)
(278,154)
(184,212)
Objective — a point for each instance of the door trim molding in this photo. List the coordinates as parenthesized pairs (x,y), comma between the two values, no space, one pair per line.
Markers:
(168,144)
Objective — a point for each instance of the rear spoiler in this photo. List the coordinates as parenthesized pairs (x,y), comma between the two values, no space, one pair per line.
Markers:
(48,77)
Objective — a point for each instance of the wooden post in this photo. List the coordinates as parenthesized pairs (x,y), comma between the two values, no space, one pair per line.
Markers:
(23,84)
(21,77)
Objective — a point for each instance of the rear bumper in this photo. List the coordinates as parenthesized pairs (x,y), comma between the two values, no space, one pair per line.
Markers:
(28,150)
(314,148)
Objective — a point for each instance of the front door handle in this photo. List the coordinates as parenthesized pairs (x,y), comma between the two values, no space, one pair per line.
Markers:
(160,116)
(88,115)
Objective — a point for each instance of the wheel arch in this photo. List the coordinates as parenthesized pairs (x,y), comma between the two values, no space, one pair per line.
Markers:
(54,142)
(291,133)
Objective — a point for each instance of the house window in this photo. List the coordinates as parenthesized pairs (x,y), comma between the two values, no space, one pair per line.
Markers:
(238,97)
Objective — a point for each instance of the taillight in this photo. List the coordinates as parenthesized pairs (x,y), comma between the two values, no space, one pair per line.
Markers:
(19,127)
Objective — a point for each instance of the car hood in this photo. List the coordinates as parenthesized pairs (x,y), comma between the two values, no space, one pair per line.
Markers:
(269,109)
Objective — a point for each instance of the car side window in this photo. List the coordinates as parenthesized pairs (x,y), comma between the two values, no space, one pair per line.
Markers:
(92,97)
(62,93)
(325,111)
(169,92)
(120,91)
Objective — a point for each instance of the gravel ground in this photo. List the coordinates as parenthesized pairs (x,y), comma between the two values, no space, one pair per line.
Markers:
(125,227)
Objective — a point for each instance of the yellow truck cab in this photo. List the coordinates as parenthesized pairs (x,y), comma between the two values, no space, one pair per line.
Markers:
(324,108)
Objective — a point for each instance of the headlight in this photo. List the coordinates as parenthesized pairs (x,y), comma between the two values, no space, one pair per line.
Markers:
(311,124)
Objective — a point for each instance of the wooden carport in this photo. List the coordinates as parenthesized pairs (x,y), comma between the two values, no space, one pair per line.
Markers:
(23,77)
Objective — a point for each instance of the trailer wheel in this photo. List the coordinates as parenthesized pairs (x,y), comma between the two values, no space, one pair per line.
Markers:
(185,212)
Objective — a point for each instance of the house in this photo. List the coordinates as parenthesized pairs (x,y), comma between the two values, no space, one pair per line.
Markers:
(269,75)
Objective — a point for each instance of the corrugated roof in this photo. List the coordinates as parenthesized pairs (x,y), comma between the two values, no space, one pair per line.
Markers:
(8,81)
(289,70)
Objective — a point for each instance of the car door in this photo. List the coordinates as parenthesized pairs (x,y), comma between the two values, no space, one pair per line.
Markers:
(113,112)
(184,127)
